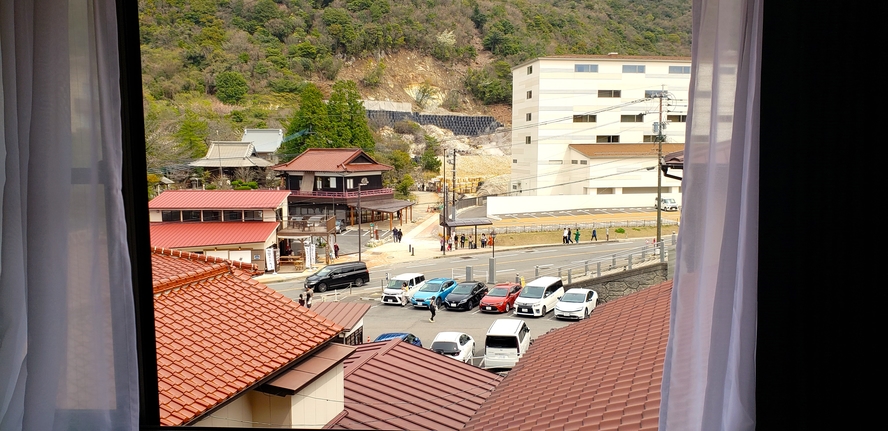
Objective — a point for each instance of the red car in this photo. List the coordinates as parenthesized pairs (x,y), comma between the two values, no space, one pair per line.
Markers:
(500,298)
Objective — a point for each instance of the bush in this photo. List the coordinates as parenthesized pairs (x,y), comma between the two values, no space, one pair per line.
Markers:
(620,230)
(374,76)
(231,87)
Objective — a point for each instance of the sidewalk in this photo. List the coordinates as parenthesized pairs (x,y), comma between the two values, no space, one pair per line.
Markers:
(421,234)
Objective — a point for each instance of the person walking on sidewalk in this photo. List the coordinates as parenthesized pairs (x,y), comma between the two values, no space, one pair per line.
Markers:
(607,234)
(594,235)
(336,250)
(462,240)
(433,308)
(569,240)
(404,290)
(564,236)
(483,240)
(577,236)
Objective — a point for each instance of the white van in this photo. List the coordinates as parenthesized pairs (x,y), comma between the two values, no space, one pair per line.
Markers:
(506,342)
(391,294)
(539,296)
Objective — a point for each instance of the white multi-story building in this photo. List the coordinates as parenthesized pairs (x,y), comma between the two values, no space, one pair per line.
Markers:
(565,107)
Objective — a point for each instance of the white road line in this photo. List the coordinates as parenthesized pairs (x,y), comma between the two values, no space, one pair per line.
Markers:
(508,255)
(419,266)
(504,270)
(545,251)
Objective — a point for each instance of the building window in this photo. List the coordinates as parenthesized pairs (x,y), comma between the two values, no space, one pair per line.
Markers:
(556,162)
(350,183)
(190,215)
(319,183)
(514,160)
(529,94)
(212,215)
(633,68)
(171,215)
(528,116)
(584,162)
(680,69)
(585,118)
(587,68)
(639,190)
(607,138)
(632,118)
(605,191)
(232,215)
(332,182)
(649,138)
(529,70)
(575,162)
(677,118)
(527,140)
(253,215)
(609,93)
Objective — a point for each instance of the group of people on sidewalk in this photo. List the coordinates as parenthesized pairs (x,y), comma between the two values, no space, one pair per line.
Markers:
(573,236)
(454,242)
(397,234)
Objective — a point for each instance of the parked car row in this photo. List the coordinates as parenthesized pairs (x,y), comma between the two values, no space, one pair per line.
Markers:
(537,298)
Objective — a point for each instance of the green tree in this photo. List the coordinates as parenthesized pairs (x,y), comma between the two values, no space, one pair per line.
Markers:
(402,190)
(231,87)
(192,136)
(311,119)
(348,121)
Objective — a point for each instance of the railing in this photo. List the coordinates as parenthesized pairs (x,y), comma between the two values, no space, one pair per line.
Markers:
(503,227)
(343,195)
(312,224)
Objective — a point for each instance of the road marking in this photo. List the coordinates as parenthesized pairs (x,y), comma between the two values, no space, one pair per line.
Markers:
(508,255)
(419,266)
(545,251)
(504,270)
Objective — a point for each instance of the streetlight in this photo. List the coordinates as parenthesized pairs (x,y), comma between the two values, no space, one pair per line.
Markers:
(362,183)
(493,240)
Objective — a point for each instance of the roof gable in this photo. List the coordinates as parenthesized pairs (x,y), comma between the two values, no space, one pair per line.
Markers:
(219,200)
(231,154)
(388,385)
(332,160)
(618,356)
(264,140)
(219,333)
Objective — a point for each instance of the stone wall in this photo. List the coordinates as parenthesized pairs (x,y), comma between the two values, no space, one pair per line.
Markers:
(620,284)
(460,125)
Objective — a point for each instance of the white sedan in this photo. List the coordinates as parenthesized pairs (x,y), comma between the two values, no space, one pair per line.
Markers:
(456,345)
(576,304)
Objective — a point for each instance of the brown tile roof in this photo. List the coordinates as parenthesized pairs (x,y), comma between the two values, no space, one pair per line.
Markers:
(219,200)
(345,314)
(333,160)
(623,150)
(393,385)
(219,333)
(609,377)
(301,375)
(179,235)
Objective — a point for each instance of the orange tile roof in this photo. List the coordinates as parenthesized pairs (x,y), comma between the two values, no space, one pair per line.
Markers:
(219,199)
(219,333)
(195,234)
(345,314)
(612,380)
(333,160)
(393,385)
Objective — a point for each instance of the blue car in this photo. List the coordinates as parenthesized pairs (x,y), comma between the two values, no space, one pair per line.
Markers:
(405,336)
(438,288)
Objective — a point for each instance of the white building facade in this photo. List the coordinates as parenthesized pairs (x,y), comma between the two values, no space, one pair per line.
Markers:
(564,101)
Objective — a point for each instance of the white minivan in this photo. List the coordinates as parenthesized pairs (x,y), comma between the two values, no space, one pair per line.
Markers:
(539,296)
(391,294)
(506,342)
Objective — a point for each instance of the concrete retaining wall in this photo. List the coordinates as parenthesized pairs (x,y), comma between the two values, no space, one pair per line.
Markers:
(460,125)
(620,284)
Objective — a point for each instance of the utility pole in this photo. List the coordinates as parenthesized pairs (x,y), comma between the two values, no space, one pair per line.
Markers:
(453,185)
(444,210)
(660,139)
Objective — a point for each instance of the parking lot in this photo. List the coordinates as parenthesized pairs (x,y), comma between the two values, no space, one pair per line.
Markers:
(394,318)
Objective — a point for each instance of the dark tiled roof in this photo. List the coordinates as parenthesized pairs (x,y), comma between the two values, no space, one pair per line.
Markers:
(196,234)
(345,314)
(602,373)
(219,332)
(393,385)
(219,200)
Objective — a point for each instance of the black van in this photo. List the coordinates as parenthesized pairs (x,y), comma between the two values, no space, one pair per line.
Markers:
(339,275)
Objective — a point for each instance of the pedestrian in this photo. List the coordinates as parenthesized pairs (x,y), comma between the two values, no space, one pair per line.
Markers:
(564,236)
(607,234)
(308,295)
(301,300)
(594,235)
(568,236)
(404,290)
(577,236)
(449,243)
(336,250)
(433,308)
(462,240)
(400,235)
(483,240)
(442,243)
(394,234)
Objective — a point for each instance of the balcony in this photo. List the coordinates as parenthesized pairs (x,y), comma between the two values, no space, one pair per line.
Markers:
(308,225)
(343,195)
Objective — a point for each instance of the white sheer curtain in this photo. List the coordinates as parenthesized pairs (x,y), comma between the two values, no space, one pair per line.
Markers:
(709,375)
(67,326)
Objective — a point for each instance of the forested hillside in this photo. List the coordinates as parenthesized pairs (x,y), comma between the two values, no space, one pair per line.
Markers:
(211,68)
